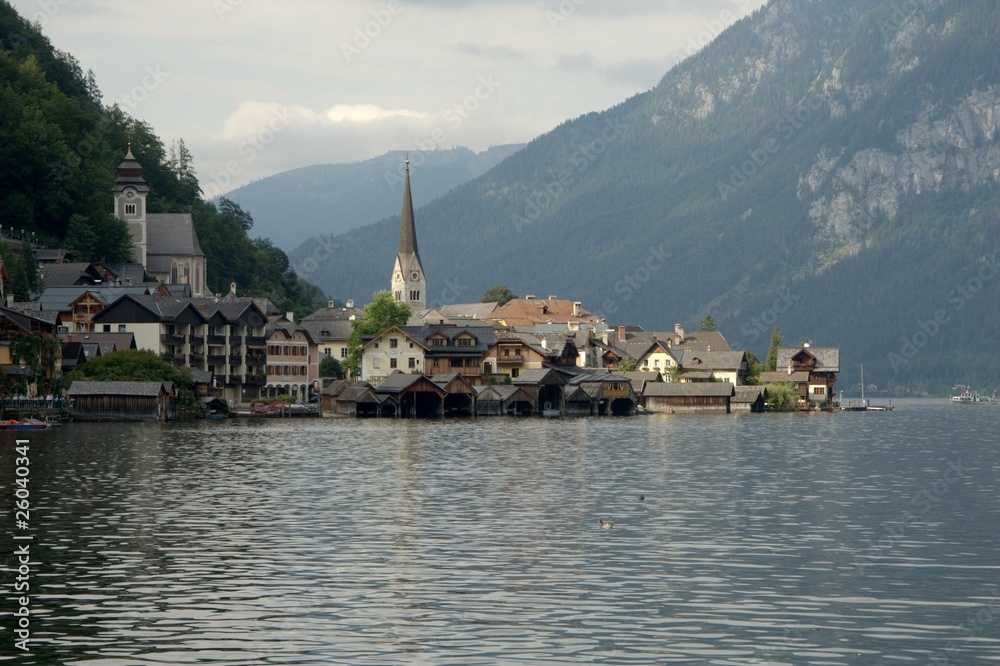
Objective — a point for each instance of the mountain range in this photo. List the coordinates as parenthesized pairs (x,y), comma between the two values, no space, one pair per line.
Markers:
(829,168)
(292,206)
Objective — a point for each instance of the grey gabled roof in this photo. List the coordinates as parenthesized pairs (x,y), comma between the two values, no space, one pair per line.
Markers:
(748,394)
(539,376)
(688,389)
(140,389)
(60,298)
(827,358)
(692,359)
(397,382)
(171,234)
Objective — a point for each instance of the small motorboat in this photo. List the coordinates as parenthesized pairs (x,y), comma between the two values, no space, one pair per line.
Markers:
(28,424)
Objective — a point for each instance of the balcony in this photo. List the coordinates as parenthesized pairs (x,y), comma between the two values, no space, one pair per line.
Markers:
(196,359)
(195,339)
(216,358)
(256,380)
(179,360)
(236,359)
(216,339)
(256,341)
(173,338)
(512,359)
(235,340)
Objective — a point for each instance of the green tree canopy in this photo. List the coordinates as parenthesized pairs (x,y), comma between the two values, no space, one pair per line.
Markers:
(499,293)
(771,363)
(135,365)
(380,315)
(707,324)
(628,364)
(781,397)
(330,367)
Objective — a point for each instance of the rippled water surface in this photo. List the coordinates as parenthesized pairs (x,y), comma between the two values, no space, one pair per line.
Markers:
(800,539)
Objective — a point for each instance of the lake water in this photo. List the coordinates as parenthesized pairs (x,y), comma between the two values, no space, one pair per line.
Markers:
(850,538)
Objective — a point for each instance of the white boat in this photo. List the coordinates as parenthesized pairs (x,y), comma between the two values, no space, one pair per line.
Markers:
(965,396)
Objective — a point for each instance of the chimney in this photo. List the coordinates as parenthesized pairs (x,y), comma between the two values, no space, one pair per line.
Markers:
(545,344)
(331,305)
(576,308)
(678,335)
(552,297)
(290,316)
(621,334)
(529,297)
(350,302)
(232,288)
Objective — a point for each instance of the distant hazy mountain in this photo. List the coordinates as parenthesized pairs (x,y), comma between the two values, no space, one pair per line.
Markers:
(830,167)
(290,207)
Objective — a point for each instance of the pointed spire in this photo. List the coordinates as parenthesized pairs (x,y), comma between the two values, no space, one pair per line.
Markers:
(407,226)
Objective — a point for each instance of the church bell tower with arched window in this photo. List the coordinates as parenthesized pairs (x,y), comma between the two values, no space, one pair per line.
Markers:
(409,285)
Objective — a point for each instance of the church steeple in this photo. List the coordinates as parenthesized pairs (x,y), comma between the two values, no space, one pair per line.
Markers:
(130,202)
(408,282)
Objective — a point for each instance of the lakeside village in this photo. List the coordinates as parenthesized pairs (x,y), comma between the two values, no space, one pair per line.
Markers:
(530,356)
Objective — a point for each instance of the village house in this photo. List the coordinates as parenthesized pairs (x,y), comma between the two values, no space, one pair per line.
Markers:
(292,362)
(223,336)
(331,326)
(713,366)
(813,370)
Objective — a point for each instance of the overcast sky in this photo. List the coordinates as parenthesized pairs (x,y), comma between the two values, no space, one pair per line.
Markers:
(255,87)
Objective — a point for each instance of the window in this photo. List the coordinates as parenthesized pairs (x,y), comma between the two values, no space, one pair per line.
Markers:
(393,343)
(130,209)
(343,352)
(819,390)
(376,363)
(437,342)
(515,373)
(285,350)
(465,342)
(392,363)
(414,295)
(328,352)
(122,328)
(412,363)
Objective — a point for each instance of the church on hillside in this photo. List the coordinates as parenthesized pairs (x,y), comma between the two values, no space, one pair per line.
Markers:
(165,244)
(409,284)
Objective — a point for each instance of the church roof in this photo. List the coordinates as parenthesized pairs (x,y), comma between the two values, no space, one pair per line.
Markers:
(170,234)
(407,226)
(130,173)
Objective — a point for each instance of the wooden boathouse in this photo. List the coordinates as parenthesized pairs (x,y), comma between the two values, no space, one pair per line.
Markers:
(122,401)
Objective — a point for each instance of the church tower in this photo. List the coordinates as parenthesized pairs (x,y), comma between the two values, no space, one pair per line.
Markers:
(130,203)
(408,282)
